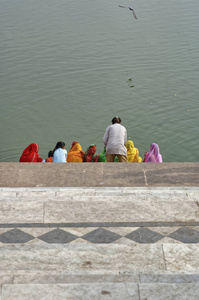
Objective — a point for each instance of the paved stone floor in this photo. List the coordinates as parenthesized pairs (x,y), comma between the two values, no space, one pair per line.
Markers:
(99,232)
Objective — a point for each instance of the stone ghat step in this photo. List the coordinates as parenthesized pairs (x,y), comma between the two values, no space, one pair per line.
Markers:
(114,291)
(99,272)
(92,259)
(90,291)
(99,193)
(66,277)
(95,191)
(67,205)
(100,174)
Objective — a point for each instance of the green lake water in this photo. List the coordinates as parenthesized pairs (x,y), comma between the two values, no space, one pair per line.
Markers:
(68,67)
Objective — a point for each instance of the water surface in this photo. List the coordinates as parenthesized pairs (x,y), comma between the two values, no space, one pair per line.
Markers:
(68,67)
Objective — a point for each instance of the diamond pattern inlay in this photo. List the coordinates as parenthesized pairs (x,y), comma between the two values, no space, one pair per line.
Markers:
(15,236)
(185,235)
(101,236)
(57,236)
(144,236)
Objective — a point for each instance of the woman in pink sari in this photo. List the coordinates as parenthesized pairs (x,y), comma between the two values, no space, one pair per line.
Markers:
(30,154)
(153,155)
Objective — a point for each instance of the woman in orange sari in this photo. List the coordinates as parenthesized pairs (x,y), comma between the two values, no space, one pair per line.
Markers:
(75,153)
(30,154)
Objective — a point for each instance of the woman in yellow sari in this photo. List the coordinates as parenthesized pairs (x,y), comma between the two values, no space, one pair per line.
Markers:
(132,152)
(75,153)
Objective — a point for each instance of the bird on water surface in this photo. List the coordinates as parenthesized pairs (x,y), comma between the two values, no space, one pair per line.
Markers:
(130,8)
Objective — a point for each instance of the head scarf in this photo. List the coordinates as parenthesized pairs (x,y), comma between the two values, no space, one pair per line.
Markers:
(30,154)
(75,153)
(90,155)
(153,155)
(132,152)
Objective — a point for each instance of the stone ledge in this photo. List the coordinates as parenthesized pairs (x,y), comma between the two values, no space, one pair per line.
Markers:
(112,291)
(99,175)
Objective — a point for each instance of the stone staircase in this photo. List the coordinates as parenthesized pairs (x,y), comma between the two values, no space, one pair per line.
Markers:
(99,243)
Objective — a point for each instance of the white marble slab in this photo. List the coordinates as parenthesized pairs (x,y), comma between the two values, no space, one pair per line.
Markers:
(90,258)
(53,277)
(8,194)
(21,211)
(194,195)
(134,196)
(56,276)
(183,194)
(113,210)
(169,291)
(163,188)
(34,194)
(72,192)
(168,277)
(181,257)
(89,291)
(6,279)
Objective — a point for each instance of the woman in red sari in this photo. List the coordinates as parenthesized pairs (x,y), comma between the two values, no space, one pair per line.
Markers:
(90,155)
(30,154)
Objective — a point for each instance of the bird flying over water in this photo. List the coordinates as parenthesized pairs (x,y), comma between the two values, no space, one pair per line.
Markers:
(130,8)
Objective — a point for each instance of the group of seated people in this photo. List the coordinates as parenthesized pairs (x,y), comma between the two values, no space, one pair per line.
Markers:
(76,155)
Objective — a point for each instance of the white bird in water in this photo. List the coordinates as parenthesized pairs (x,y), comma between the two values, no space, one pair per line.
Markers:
(130,8)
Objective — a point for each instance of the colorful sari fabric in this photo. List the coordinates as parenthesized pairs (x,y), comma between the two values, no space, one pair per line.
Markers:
(49,159)
(90,155)
(132,152)
(30,154)
(153,155)
(75,153)
(102,156)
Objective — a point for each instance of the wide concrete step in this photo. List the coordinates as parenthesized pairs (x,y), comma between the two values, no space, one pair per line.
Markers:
(95,191)
(81,205)
(100,174)
(68,277)
(90,291)
(101,258)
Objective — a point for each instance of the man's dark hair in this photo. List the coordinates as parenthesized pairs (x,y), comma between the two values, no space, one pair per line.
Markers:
(116,120)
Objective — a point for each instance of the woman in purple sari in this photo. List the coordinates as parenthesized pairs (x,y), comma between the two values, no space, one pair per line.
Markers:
(153,155)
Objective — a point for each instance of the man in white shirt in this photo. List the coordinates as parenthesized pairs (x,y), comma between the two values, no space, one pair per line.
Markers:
(115,139)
